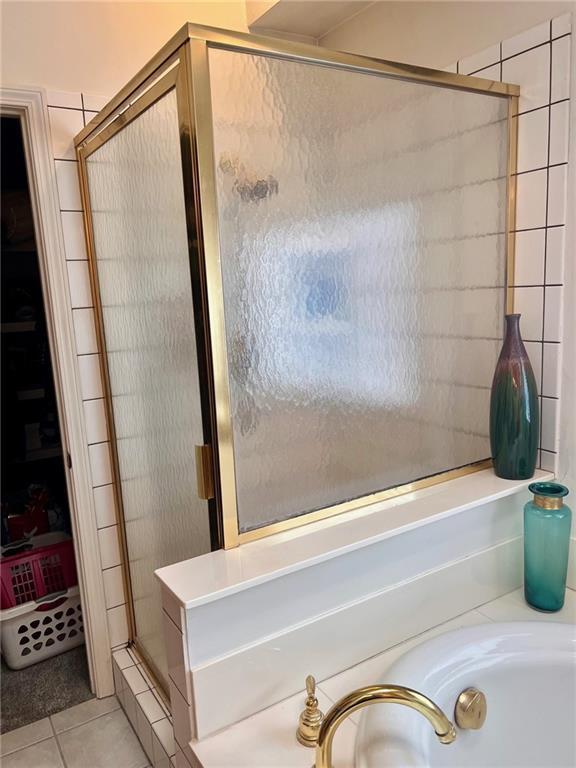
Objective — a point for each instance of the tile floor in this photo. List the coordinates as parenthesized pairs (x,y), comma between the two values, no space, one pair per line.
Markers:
(97,733)
(94,734)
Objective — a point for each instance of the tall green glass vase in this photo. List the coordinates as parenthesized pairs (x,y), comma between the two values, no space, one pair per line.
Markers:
(514,417)
(546,546)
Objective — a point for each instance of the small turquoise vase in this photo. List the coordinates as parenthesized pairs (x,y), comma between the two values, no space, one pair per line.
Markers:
(547,523)
(514,416)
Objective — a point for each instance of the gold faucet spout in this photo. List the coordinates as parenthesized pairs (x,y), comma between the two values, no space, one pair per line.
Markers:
(377,694)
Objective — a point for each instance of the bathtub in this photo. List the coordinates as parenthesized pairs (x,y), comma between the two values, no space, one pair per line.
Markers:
(527,671)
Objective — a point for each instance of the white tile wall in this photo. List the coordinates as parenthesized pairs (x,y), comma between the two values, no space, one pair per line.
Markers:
(68,113)
(539,61)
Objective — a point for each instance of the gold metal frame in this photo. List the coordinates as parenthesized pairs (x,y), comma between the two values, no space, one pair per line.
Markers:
(185,57)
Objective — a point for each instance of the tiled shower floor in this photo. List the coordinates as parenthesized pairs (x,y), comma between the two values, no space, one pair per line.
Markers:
(94,734)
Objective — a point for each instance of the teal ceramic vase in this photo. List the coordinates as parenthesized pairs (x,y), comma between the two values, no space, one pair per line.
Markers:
(514,418)
(546,544)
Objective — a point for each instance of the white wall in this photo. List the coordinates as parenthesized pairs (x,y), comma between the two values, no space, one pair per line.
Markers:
(434,34)
(96,47)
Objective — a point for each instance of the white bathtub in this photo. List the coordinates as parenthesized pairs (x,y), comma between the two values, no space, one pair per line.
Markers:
(527,671)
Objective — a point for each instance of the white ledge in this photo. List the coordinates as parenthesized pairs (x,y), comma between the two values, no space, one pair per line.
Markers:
(225,572)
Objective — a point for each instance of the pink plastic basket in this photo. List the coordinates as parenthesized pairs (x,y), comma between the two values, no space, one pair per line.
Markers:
(43,570)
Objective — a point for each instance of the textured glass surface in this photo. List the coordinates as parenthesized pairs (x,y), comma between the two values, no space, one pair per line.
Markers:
(137,199)
(363,262)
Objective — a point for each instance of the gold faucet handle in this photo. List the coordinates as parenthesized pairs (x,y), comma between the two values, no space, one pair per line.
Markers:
(311,687)
(310,718)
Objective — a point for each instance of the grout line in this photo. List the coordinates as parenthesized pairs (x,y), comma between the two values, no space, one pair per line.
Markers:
(70,109)
(531,170)
(534,47)
(526,229)
(516,285)
(58,747)
(90,719)
(545,245)
(543,106)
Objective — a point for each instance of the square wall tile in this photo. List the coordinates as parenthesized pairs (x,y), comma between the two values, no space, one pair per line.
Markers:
(100,463)
(555,255)
(551,370)
(94,102)
(557,195)
(528,303)
(561,69)
(531,200)
(123,659)
(182,714)
(64,99)
(176,656)
(549,433)
(553,314)
(531,71)
(109,542)
(117,625)
(114,587)
(73,231)
(528,39)
(135,681)
(529,258)
(562,25)
(549,461)
(90,378)
(533,140)
(79,284)
(68,185)
(144,732)
(480,60)
(161,758)
(64,125)
(165,733)
(559,132)
(489,73)
(85,331)
(150,706)
(105,505)
(96,423)
(534,350)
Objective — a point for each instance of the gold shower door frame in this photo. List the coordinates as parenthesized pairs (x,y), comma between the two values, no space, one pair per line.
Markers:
(183,64)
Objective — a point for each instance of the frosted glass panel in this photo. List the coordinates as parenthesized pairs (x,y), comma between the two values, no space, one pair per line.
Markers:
(136,193)
(362,229)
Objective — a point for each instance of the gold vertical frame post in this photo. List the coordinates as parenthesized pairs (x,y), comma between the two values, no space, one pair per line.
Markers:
(203,147)
(189,49)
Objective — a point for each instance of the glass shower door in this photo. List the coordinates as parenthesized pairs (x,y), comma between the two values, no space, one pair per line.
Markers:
(147,316)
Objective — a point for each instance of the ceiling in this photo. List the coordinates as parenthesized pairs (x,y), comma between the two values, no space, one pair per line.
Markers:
(312,18)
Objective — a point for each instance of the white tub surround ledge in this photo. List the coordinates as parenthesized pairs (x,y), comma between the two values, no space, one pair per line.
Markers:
(245,626)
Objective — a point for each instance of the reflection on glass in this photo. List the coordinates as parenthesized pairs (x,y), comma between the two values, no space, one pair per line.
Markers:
(363,257)
(137,201)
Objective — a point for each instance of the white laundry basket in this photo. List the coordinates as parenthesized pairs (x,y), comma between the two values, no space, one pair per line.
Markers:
(36,630)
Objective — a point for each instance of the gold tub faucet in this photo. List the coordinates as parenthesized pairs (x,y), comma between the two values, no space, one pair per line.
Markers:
(376,694)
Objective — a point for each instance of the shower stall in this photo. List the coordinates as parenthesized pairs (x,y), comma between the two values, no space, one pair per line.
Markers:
(301,260)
